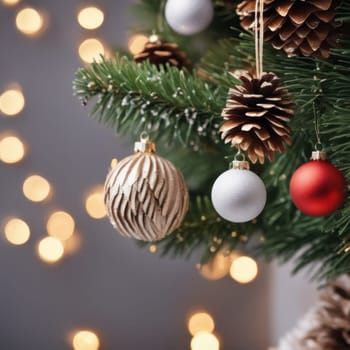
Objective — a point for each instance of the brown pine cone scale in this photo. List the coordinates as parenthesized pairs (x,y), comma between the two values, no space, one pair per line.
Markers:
(298,27)
(256,116)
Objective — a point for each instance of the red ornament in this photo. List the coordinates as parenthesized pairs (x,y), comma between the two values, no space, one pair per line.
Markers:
(318,188)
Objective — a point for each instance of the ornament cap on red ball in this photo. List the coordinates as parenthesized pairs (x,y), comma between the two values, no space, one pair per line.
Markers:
(317,187)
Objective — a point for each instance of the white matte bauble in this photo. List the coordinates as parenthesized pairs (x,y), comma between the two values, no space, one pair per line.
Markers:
(238,195)
(189,17)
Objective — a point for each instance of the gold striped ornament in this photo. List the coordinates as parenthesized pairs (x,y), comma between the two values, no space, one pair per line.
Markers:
(146,197)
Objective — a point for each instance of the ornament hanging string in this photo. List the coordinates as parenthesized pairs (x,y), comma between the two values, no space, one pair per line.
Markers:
(160,18)
(259,36)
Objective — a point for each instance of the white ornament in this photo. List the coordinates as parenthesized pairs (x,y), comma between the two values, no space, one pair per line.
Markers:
(238,194)
(189,17)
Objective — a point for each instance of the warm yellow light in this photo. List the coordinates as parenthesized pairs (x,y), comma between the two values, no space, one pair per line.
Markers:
(153,248)
(50,249)
(114,163)
(10,2)
(94,203)
(85,340)
(137,43)
(244,269)
(12,102)
(201,322)
(72,244)
(17,231)
(36,188)
(60,225)
(29,21)
(205,341)
(90,50)
(90,17)
(218,267)
(11,150)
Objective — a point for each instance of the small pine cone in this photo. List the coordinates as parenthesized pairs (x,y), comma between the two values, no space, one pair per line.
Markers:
(298,27)
(160,53)
(256,116)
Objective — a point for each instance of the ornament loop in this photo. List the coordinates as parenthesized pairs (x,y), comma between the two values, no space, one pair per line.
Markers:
(319,147)
(239,156)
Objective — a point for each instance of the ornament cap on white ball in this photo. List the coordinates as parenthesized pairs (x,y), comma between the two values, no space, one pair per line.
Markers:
(146,197)
(239,195)
(188,17)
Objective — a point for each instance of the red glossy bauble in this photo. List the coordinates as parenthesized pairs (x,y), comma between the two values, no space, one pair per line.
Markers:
(318,188)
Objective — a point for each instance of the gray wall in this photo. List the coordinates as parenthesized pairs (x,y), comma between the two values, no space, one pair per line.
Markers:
(133,299)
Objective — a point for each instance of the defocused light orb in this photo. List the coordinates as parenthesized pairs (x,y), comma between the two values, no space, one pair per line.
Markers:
(201,322)
(90,50)
(10,2)
(90,17)
(29,21)
(94,203)
(205,341)
(114,163)
(86,340)
(12,150)
(218,267)
(12,102)
(60,225)
(17,231)
(36,188)
(50,249)
(244,269)
(72,244)
(137,43)
(153,248)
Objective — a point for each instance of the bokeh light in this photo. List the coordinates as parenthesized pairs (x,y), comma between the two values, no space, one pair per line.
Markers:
(90,50)
(200,322)
(36,188)
(137,43)
(12,150)
(10,2)
(205,341)
(72,244)
(17,231)
(114,163)
(60,225)
(153,248)
(244,269)
(12,102)
(86,340)
(29,21)
(50,250)
(90,17)
(218,267)
(94,203)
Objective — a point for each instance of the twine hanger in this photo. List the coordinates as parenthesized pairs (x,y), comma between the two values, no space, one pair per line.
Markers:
(259,36)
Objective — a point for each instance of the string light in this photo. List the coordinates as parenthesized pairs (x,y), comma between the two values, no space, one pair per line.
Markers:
(244,269)
(90,50)
(205,341)
(36,188)
(137,43)
(12,150)
(60,225)
(86,340)
(90,17)
(201,322)
(29,21)
(12,102)
(10,2)
(50,250)
(17,231)
(94,203)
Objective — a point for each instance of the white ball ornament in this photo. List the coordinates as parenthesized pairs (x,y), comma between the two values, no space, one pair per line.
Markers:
(188,17)
(238,194)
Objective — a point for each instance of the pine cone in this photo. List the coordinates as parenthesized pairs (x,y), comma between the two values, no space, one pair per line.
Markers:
(256,116)
(298,27)
(160,53)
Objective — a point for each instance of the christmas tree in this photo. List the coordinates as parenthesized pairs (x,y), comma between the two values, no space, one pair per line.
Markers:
(209,96)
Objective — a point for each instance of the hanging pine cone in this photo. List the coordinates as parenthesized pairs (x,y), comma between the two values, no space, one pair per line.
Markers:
(298,27)
(161,53)
(256,116)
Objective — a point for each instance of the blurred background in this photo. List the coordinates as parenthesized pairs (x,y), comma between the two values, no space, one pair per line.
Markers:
(68,280)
